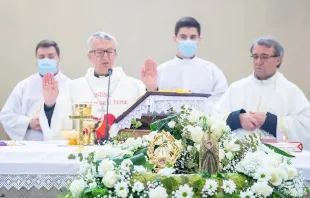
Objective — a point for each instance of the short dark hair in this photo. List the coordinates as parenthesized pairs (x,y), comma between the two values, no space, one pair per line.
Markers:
(48,43)
(187,22)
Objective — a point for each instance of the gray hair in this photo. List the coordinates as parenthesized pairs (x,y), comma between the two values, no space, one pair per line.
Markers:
(270,43)
(101,35)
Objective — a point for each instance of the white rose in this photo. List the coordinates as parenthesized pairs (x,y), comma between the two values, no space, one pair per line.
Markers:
(77,187)
(105,166)
(221,154)
(179,144)
(229,155)
(197,146)
(231,146)
(139,169)
(189,148)
(171,124)
(93,185)
(276,178)
(262,188)
(196,134)
(107,151)
(292,172)
(218,126)
(150,136)
(138,187)
(194,116)
(158,192)
(110,178)
(282,172)
(130,141)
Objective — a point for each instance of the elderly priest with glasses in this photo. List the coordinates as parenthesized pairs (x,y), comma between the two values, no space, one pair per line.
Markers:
(91,89)
(266,102)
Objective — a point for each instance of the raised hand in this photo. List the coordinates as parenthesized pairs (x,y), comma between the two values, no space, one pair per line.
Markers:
(149,75)
(50,89)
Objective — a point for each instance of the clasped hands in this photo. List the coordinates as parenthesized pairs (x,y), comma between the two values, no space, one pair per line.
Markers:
(252,120)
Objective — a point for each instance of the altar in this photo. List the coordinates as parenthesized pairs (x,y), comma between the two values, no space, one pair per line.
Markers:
(37,169)
(42,169)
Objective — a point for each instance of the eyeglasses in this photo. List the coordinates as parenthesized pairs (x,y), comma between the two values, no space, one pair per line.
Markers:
(100,53)
(263,57)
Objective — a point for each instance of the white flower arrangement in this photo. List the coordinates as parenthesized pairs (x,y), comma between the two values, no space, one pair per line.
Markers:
(121,168)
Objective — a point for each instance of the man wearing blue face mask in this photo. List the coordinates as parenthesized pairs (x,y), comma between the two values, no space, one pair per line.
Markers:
(186,70)
(20,114)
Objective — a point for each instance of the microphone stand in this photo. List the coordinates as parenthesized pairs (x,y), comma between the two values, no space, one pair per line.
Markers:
(108,100)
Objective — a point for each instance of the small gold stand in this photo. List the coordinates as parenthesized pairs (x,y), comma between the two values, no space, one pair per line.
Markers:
(82,112)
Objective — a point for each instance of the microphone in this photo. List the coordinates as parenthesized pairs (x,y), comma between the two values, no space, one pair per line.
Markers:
(108,100)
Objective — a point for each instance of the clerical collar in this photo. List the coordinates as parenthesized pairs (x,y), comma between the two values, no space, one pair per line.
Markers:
(266,78)
(185,59)
(100,76)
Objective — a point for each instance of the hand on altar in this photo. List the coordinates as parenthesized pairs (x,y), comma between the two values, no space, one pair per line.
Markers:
(50,89)
(149,75)
(260,117)
(248,122)
(35,124)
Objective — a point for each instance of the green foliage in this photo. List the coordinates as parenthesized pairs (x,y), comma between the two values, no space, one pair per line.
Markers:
(162,124)
(71,157)
(279,151)
(135,124)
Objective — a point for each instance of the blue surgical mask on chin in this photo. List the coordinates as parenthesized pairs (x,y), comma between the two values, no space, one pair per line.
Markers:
(47,65)
(187,48)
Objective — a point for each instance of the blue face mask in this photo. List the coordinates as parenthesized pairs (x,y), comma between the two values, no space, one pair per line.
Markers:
(47,65)
(187,48)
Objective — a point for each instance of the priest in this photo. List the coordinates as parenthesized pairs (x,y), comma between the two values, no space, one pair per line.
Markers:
(91,89)
(20,114)
(266,102)
(186,71)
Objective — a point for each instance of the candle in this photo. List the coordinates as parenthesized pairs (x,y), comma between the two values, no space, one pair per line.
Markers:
(285,143)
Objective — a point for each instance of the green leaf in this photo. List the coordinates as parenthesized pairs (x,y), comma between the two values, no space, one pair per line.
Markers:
(87,191)
(191,165)
(143,150)
(170,184)
(198,185)
(160,124)
(138,159)
(148,165)
(279,151)
(100,191)
(277,194)
(219,175)
(71,157)
(205,175)
(80,155)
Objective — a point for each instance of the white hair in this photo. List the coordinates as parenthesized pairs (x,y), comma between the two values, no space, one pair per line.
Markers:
(101,35)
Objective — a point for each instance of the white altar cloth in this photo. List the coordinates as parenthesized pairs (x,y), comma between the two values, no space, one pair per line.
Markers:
(46,164)
(38,164)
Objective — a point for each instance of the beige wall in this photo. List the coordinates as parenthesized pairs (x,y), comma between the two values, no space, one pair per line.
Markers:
(144,29)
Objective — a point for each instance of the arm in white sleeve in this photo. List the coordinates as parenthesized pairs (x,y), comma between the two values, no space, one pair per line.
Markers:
(13,121)
(59,120)
(220,86)
(296,125)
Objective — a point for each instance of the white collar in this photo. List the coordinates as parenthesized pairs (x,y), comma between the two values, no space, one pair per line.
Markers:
(268,81)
